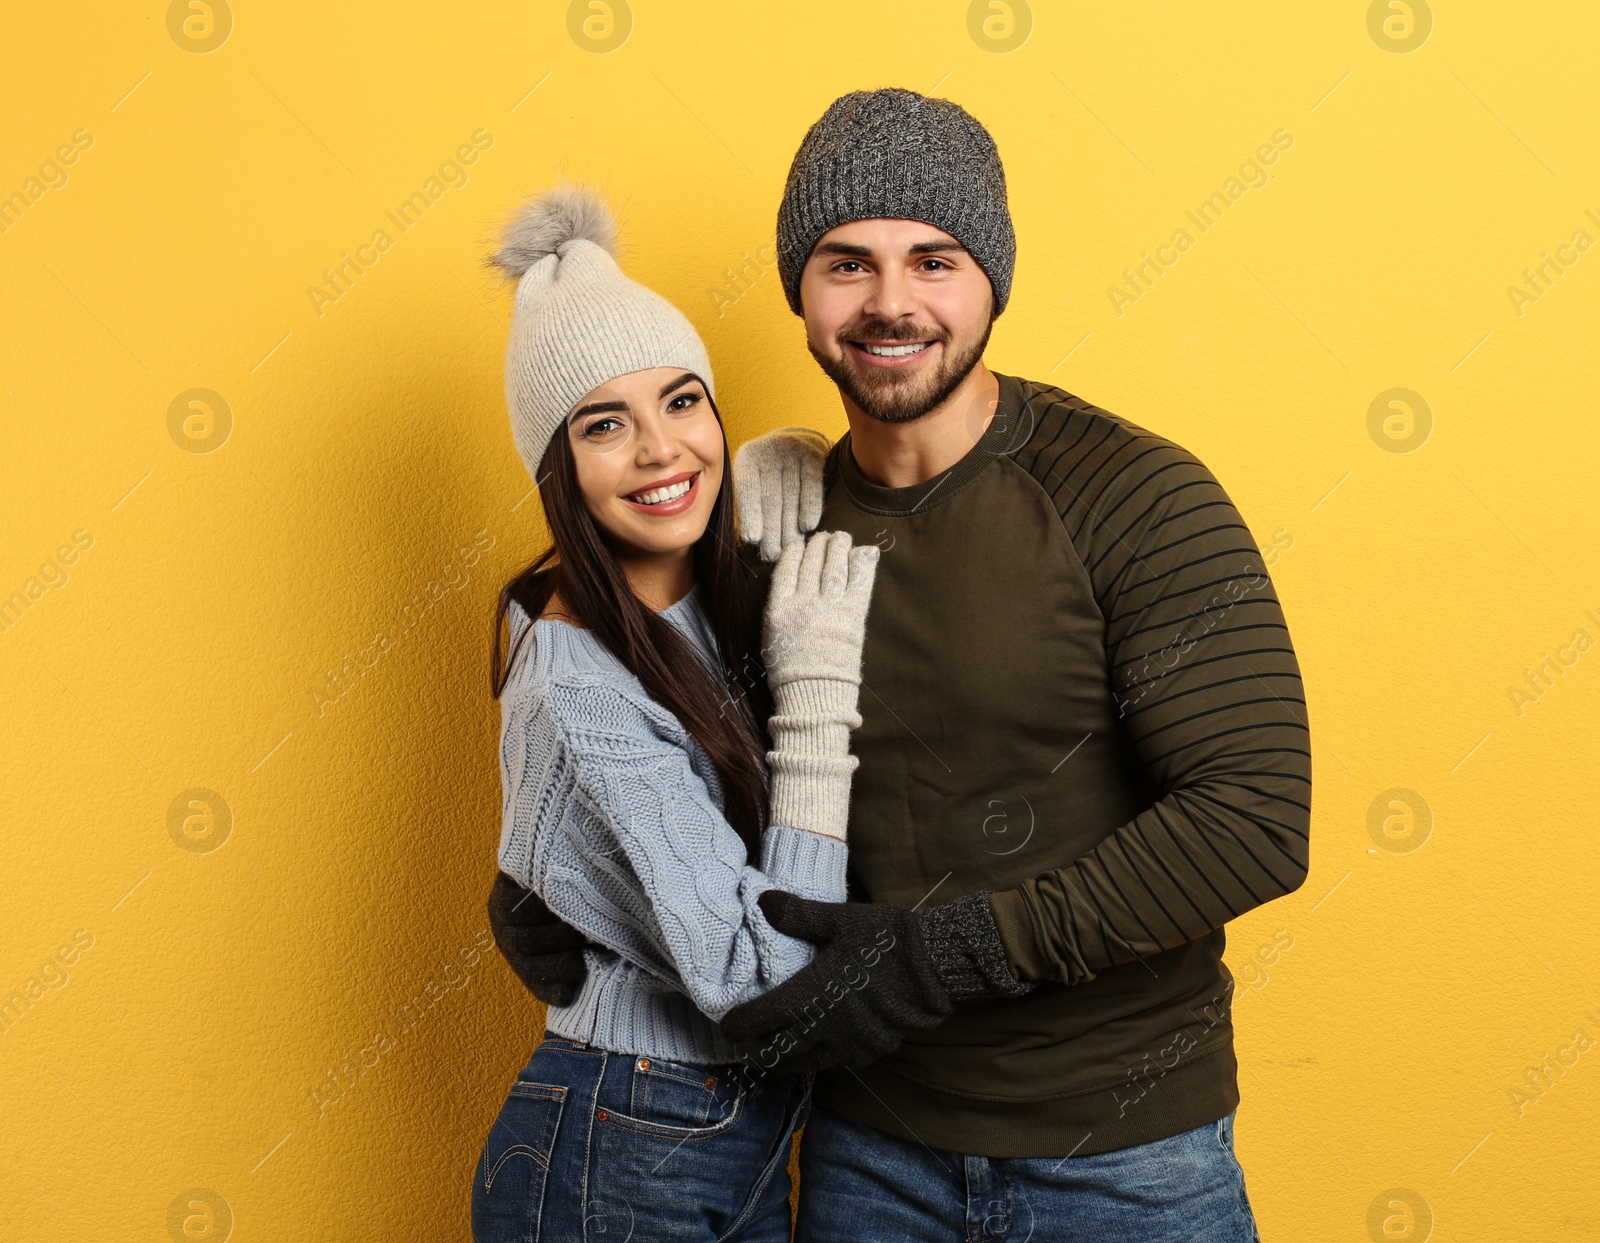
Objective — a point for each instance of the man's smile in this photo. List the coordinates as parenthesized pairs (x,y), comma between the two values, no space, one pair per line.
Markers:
(891,353)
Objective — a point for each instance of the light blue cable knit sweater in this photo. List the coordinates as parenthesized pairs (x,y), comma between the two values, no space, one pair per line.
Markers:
(612,813)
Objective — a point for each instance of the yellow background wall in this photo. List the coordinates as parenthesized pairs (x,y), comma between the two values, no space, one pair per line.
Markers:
(231,1026)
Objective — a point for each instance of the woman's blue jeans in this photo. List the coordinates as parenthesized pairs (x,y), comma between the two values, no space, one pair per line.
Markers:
(599,1147)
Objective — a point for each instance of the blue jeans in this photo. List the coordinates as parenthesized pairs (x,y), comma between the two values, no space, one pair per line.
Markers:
(598,1147)
(857,1182)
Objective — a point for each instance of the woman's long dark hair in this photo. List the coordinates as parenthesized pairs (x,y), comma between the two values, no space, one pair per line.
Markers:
(580,565)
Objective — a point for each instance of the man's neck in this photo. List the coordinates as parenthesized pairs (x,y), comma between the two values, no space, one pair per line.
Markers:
(902,455)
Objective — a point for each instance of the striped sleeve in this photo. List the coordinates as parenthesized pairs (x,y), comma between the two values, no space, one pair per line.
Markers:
(1209,691)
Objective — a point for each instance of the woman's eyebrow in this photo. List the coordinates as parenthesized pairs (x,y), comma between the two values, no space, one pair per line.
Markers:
(598,407)
(686,378)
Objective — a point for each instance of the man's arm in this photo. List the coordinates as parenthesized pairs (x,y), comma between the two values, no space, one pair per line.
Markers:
(1209,691)
(544,951)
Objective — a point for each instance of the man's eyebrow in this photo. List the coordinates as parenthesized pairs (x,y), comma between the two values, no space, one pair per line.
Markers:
(843,248)
(866,252)
(598,407)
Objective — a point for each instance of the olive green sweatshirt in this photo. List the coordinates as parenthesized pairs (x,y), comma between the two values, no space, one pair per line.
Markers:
(1079,693)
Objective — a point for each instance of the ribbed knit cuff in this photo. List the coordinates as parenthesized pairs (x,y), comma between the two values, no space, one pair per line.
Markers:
(967,950)
(811,761)
(814,716)
(812,792)
(808,864)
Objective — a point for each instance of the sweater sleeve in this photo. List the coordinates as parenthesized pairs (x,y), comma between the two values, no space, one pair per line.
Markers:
(651,868)
(1209,691)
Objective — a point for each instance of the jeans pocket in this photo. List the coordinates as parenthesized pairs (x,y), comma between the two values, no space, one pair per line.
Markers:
(508,1193)
(655,1178)
(682,1094)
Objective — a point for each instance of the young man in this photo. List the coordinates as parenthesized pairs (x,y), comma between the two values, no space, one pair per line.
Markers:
(1084,749)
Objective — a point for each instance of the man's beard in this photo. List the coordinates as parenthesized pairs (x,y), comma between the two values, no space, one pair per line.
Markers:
(889,396)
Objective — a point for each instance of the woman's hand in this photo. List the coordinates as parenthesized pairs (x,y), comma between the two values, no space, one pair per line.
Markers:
(813,633)
(777,488)
(816,617)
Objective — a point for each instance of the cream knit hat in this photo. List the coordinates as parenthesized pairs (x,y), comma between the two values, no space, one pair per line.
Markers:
(577,320)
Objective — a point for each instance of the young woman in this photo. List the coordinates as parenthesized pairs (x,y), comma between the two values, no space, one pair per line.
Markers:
(636,800)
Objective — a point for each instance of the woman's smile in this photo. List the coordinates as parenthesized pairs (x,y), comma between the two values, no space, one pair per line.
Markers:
(664,498)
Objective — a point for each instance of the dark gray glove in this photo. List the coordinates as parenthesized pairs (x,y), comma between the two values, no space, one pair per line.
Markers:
(880,972)
(546,953)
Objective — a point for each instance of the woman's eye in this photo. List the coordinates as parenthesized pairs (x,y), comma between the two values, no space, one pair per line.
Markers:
(601,428)
(683,402)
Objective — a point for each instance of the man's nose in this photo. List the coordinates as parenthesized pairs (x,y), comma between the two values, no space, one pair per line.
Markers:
(891,298)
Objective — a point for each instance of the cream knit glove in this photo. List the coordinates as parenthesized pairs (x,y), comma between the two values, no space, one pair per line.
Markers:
(815,626)
(777,487)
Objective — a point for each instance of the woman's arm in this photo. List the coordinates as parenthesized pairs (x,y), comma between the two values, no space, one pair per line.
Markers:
(636,853)
(609,812)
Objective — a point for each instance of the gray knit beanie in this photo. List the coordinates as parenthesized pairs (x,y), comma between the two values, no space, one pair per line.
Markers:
(896,153)
(577,320)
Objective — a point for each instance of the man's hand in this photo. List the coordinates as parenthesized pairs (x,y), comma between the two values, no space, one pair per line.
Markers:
(546,954)
(880,973)
(777,487)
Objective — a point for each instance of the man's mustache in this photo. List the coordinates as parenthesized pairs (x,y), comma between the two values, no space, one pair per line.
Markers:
(877,332)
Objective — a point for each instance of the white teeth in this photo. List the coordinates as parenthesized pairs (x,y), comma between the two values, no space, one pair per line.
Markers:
(657,495)
(895,351)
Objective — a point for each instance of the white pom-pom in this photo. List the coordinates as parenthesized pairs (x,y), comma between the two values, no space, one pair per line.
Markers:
(544,222)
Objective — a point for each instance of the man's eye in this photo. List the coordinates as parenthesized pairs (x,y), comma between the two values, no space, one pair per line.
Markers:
(848,263)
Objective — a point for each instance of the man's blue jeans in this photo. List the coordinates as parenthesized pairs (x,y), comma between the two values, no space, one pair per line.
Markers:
(857,1182)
